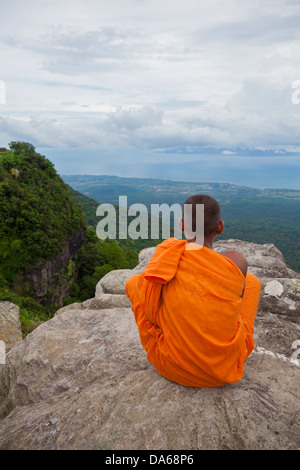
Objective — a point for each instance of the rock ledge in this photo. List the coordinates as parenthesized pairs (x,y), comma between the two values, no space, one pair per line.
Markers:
(82,380)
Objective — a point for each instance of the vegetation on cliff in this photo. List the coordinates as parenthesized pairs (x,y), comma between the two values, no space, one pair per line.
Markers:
(38,213)
(95,259)
(37,210)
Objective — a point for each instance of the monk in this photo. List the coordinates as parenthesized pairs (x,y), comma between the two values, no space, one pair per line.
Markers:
(195,308)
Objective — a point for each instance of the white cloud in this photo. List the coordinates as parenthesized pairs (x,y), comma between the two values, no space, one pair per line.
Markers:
(151,74)
(228,152)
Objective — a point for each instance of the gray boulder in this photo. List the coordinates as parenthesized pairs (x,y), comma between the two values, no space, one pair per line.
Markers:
(10,326)
(82,381)
(114,282)
(110,301)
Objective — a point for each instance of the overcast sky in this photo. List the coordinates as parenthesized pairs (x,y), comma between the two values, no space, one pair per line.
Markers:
(176,76)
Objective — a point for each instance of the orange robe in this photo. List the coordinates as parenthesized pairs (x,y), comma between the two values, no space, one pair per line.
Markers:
(193,323)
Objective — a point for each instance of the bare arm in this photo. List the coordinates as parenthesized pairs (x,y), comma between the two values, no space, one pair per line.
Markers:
(238,259)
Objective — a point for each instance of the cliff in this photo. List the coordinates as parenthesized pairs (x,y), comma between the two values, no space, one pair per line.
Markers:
(82,381)
(50,280)
(41,226)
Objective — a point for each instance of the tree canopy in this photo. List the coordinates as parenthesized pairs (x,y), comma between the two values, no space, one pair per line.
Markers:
(37,210)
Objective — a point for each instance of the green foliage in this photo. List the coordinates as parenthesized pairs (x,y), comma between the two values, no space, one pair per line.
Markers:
(131,248)
(250,214)
(95,259)
(88,205)
(266,220)
(37,210)
(31,313)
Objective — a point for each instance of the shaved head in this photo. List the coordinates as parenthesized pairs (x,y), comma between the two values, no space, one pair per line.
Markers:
(212,212)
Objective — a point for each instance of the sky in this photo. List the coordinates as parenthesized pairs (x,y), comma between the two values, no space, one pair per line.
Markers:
(177,89)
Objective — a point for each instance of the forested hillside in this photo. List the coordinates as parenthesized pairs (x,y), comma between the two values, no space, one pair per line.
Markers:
(37,211)
(38,214)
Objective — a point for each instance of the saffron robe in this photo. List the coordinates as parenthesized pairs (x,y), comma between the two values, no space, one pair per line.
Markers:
(193,322)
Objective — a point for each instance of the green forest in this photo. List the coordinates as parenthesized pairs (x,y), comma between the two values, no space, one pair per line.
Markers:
(250,214)
(38,213)
(37,210)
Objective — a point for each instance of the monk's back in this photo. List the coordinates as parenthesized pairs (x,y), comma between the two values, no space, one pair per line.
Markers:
(208,287)
(187,307)
(200,308)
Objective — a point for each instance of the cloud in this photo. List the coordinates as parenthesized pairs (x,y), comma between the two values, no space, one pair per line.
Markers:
(151,74)
(150,128)
(228,152)
(132,119)
(256,29)
(68,51)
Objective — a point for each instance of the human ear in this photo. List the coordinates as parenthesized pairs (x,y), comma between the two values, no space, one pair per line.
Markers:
(180,224)
(220,227)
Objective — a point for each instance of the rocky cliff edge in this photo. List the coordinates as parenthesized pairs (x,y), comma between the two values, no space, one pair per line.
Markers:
(82,380)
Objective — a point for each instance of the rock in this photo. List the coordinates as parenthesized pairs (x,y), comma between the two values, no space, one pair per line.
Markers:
(281,296)
(10,326)
(82,379)
(72,306)
(86,303)
(2,352)
(144,258)
(110,301)
(114,282)
(98,290)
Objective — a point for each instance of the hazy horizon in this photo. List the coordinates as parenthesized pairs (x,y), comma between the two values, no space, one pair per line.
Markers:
(253,171)
(177,89)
